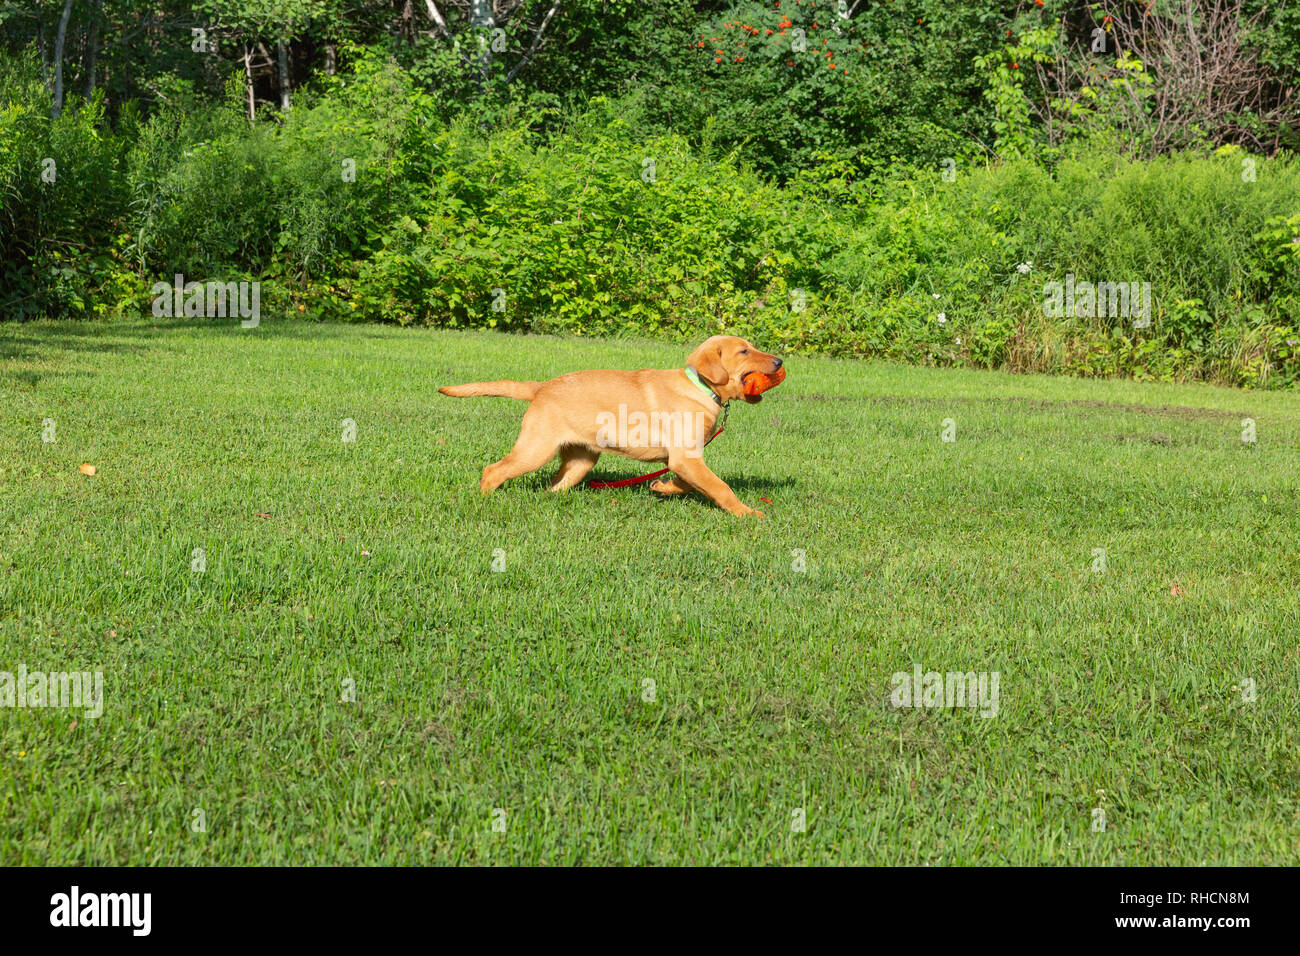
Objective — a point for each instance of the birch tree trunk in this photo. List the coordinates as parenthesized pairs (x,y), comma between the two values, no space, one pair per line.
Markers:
(481,22)
(282,49)
(436,17)
(248,79)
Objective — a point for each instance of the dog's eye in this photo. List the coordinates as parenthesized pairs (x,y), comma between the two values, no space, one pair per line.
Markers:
(744,351)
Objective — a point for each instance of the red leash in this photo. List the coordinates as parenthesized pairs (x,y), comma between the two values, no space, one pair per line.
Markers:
(654,474)
(628,481)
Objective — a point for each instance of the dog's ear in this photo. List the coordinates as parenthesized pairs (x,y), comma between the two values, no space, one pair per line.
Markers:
(707,360)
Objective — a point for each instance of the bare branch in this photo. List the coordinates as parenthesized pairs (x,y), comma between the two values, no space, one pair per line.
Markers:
(537,39)
(1199,83)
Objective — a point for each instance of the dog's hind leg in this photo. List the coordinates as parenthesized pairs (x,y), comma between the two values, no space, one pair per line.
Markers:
(671,486)
(575,462)
(533,449)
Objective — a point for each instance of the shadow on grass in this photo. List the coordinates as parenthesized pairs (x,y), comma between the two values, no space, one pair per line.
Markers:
(737,484)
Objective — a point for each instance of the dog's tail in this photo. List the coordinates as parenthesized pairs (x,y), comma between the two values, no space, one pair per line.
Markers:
(524,391)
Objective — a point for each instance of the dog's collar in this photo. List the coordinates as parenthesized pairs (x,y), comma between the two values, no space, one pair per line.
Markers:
(694,376)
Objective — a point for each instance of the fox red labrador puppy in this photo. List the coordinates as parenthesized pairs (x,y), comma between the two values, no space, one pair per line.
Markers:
(650,415)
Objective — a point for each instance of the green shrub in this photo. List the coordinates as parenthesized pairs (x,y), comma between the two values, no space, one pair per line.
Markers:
(365,203)
(60,190)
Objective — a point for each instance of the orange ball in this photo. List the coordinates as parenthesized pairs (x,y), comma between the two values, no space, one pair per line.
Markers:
(756,383)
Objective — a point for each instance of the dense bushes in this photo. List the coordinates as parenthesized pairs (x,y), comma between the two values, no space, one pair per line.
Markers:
(212,193)
(61,188)
(792,84)
(365,204)
(1222,262)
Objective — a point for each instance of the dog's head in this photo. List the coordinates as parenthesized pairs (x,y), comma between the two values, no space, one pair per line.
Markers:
(724,361)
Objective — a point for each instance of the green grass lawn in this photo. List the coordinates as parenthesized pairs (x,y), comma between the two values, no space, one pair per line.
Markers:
(333,564)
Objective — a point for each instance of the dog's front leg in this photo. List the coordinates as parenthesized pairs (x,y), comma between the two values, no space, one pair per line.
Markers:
(697,474)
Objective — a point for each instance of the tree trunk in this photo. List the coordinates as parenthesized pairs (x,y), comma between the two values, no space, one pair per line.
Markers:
(408,24)
(482,22)
(331,59)
(59,39)
(283,51)
(45,53)
(436,17)
(248,79)
(92,48)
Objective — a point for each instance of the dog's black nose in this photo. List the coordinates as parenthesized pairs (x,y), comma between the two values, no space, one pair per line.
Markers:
(779,363)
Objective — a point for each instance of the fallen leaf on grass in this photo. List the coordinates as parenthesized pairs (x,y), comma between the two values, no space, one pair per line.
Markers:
(88,469)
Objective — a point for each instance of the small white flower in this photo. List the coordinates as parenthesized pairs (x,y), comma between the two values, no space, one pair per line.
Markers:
(959,341)
(1024,268)
(936,295)
(942,318)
